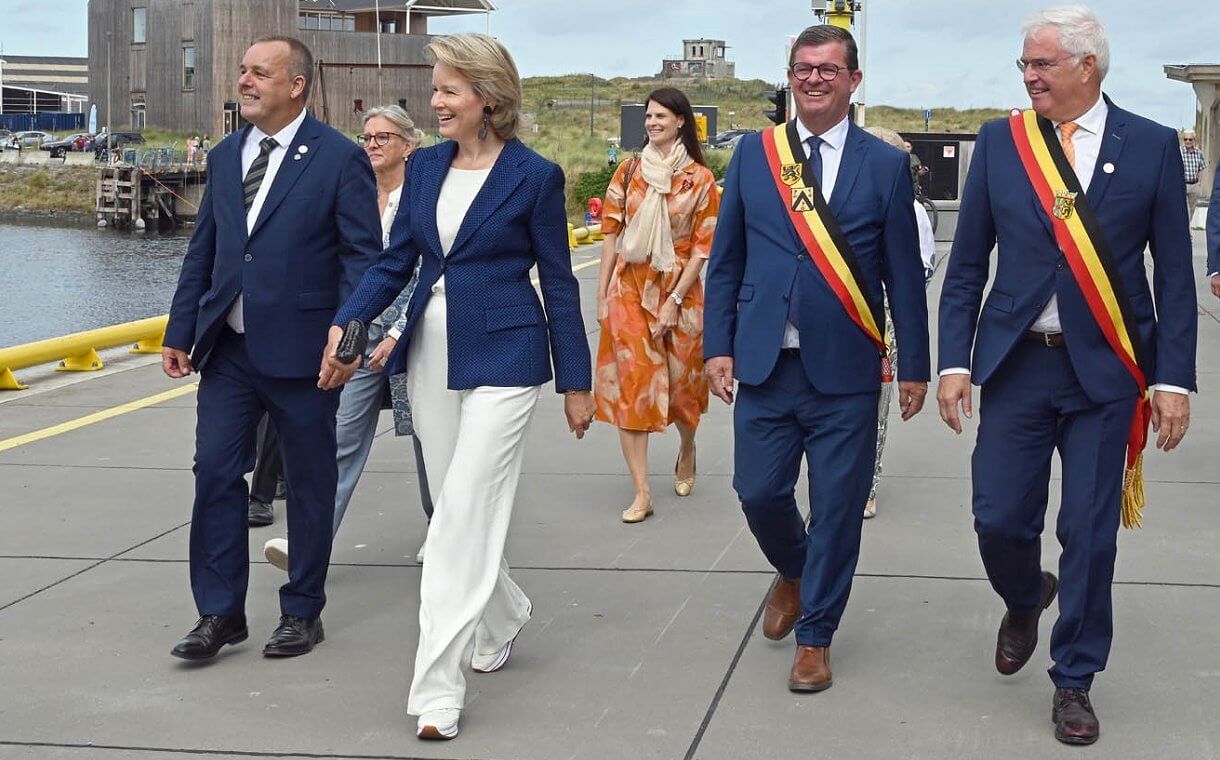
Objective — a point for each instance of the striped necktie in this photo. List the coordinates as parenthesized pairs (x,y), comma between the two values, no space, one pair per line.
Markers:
(815,164)
(1066,130)
(258,169)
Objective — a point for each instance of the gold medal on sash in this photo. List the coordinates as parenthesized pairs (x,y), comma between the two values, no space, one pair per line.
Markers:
(802,199)
(1065,203)
(790,174)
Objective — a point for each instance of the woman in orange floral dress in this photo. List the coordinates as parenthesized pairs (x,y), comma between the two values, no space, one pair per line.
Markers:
(658,219)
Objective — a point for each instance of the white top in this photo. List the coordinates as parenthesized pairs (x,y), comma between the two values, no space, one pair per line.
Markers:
(387,217)
(249,152)
(831,151)
(457,193)
(927,236)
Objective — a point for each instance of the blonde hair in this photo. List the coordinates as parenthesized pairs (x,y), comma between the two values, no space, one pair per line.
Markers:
(489,68)
(397,116)
(888,135)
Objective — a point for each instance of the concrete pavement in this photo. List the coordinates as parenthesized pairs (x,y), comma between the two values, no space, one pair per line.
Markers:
(645,641)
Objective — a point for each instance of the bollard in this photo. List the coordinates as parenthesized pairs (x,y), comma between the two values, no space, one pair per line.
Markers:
(571,236)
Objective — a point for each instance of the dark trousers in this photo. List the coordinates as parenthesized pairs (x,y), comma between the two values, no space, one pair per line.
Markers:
(232,397)
(775,424)
(268,464)
(1031,407)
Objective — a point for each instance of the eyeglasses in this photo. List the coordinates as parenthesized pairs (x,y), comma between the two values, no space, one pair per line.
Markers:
(380,139)
(1041,65)
(826,72)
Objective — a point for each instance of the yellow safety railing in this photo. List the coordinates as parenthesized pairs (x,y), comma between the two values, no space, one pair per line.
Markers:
(78,352)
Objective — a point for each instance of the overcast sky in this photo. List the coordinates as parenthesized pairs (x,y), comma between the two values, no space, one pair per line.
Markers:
(918,54)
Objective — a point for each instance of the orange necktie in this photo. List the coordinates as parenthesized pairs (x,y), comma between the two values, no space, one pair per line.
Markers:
(1065,139)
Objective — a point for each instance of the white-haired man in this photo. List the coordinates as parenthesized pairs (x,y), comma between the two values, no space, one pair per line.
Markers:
(1068,342)
(1193,164)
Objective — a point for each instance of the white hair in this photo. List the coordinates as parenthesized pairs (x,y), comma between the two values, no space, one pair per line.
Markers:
(1080,32)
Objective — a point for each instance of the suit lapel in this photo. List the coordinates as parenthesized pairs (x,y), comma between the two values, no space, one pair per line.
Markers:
(854,148)
(290,170)
(504,178)
(429,184)
(235,198)
(1112,142)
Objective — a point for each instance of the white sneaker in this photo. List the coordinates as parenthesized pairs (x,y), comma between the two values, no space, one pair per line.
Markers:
(490,663)
(276,552)
(419,555)
(438,724)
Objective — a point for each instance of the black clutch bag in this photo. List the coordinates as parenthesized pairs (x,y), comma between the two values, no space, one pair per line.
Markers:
(351,345)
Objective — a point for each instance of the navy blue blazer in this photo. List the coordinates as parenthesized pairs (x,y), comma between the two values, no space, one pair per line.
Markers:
(317,231)
(1213,227)
(498,330)
(1139,203)
(756,254)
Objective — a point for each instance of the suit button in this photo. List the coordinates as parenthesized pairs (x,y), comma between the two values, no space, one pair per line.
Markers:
(1059,265)
(249,257)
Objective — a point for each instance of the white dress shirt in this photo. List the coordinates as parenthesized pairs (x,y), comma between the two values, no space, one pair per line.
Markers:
(831,151)
(1087,143)
(249,152)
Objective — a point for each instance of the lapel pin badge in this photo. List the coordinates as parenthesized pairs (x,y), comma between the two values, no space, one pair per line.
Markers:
(297,157)
(302,149)
(1108,168)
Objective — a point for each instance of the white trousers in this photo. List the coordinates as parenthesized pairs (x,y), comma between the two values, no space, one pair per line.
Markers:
(472,442)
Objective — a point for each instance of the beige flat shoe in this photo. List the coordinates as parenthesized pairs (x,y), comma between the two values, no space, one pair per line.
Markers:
(870,510)
(683,486)
(636,513)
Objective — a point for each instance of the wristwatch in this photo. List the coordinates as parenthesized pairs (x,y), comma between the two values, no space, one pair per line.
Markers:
(676,298)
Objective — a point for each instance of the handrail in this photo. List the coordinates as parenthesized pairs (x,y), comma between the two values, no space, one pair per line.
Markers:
(78,352)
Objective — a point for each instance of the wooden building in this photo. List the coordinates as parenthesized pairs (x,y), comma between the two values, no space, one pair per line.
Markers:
(173,64)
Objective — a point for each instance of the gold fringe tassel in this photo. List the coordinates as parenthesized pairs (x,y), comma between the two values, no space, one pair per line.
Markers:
(1133,494)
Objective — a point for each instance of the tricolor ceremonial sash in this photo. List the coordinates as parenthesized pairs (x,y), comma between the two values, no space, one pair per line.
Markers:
(1083,245)
(820,233)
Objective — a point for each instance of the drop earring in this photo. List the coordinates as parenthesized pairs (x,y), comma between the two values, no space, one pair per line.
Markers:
(486,121)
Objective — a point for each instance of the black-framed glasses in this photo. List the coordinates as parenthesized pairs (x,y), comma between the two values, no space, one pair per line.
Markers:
(1041,65)
(826,72)
(379,139)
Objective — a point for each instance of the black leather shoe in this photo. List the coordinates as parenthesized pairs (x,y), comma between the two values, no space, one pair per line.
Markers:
(209,635)
(294,636)
(261,514)
(1018,636)
(1073,716)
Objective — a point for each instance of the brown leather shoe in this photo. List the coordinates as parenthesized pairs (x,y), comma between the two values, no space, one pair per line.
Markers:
(783,607)
(810,670)
(1073,716)
(1018,636)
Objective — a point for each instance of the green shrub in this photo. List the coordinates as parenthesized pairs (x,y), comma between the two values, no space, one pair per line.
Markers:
(591,184)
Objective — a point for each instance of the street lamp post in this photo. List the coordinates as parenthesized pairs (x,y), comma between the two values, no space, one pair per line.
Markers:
(592,91)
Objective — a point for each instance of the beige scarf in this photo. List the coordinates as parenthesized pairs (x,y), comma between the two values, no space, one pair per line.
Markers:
(650,234)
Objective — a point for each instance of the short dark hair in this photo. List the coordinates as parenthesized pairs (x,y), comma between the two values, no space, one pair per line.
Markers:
(823,34)
(676,102)
(300,58)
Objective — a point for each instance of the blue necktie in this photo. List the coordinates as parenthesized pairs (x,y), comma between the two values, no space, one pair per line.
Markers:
(815,163)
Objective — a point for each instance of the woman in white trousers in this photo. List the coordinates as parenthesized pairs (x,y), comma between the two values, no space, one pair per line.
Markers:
(482,211)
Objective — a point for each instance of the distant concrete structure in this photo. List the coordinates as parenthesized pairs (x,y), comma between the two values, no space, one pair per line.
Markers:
(36,84)
(173,64)
(1205,78)
(701,59)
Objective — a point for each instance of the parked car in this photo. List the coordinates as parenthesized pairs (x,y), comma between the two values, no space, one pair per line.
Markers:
(33,138)
(8,140)
(59,147)
(120,139)
(728,138)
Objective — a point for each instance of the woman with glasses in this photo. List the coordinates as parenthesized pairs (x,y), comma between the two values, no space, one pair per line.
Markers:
(388,138)
(658,218)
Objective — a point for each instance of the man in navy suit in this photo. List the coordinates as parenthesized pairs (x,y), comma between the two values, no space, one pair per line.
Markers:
(1213,236)
(287,225)
(1045,354)
(799,323)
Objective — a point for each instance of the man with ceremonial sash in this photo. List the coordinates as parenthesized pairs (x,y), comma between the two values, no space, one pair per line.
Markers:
(1067,348)
(816,214)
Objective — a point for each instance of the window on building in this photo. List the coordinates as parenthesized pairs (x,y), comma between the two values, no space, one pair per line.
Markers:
(139,32)
(188,68)
(326,22)
(389,26)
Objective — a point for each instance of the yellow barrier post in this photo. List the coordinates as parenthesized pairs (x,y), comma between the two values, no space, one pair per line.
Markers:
(571,236)
(78,352)
(596,233)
